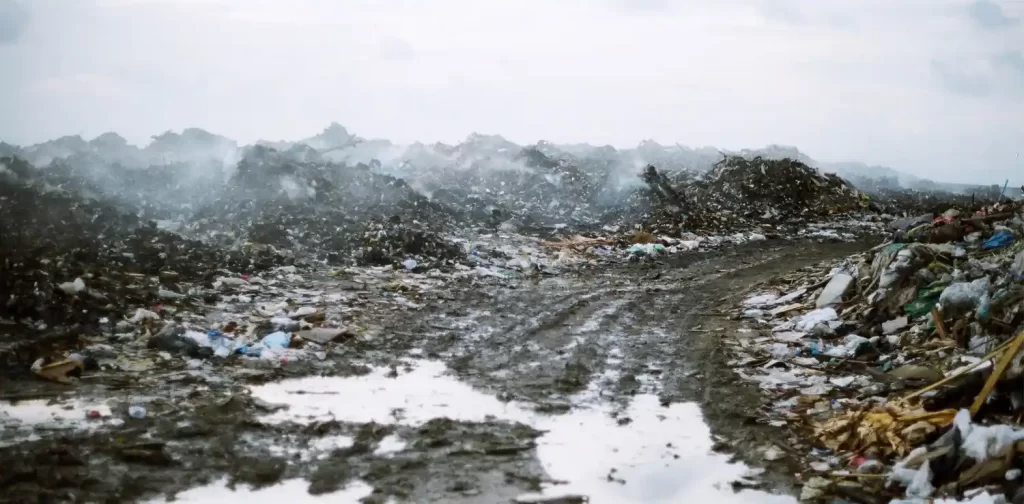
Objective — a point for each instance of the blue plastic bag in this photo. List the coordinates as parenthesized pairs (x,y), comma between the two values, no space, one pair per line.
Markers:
(998,240)
(277,339)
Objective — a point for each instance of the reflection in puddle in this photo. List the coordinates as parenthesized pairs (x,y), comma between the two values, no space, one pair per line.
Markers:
(659,455)
(21,421)
(286,491)
(662,455)
(411,398)
(41,411)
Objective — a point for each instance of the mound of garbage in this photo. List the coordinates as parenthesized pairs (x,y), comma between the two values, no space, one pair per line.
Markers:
(901,368)
(743,192)
(66,258)
(323,210)
(531,191)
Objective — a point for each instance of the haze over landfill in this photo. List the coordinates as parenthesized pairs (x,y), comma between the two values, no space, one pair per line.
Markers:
(932,88)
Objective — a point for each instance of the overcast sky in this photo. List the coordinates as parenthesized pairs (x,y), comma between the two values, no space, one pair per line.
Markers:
(930,87)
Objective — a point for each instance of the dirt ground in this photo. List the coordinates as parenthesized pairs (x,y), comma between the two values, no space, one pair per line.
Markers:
(605,341)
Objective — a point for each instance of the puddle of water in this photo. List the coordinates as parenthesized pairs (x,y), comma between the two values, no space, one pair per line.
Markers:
(660,455)
(24,421)
(289,447)
(411,398)
(37,411)
(286,491)
(44,415)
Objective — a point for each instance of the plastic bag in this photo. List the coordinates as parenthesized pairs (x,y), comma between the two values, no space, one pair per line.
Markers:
(998,240)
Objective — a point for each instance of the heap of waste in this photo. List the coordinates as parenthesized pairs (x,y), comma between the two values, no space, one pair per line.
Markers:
(68,262)
(770,194)
(900,369)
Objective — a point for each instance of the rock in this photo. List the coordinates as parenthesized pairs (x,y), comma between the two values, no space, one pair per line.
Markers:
(834,291)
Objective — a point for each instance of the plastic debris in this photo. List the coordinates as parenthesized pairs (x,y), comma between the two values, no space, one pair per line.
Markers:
(887,358)
(834,290)
(277,340)
(998,240)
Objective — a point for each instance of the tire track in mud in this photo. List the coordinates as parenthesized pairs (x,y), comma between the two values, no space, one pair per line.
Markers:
(626,332)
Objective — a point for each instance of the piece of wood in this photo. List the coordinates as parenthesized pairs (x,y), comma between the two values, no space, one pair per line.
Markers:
(59,371)
(940,324)
(998,372)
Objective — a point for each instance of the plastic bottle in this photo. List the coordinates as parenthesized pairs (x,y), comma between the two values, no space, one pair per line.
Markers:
(137,411)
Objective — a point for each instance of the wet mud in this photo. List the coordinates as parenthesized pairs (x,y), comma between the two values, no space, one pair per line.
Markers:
(608,383)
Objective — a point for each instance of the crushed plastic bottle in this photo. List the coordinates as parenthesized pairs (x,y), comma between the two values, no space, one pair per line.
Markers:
(137,411)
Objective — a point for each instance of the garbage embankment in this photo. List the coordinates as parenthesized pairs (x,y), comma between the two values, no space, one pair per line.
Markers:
(899,371)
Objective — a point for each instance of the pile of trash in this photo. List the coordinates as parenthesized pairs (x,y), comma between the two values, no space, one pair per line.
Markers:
(270,201)
(530,192)
(232,319)
(902,367)
(741,193)
(66,259)
(392,241)
(915,202)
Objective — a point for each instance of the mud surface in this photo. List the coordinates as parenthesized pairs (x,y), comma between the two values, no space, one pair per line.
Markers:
(606,383)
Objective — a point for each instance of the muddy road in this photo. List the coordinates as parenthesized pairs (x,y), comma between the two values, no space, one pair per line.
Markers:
(607,383)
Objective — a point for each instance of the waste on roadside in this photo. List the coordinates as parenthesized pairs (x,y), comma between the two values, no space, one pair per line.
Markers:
(901,368)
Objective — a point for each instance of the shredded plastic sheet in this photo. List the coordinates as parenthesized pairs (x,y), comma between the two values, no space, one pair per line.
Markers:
(983,441)
(807,321)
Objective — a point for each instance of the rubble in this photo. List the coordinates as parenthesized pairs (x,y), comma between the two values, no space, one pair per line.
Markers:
(906,357)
